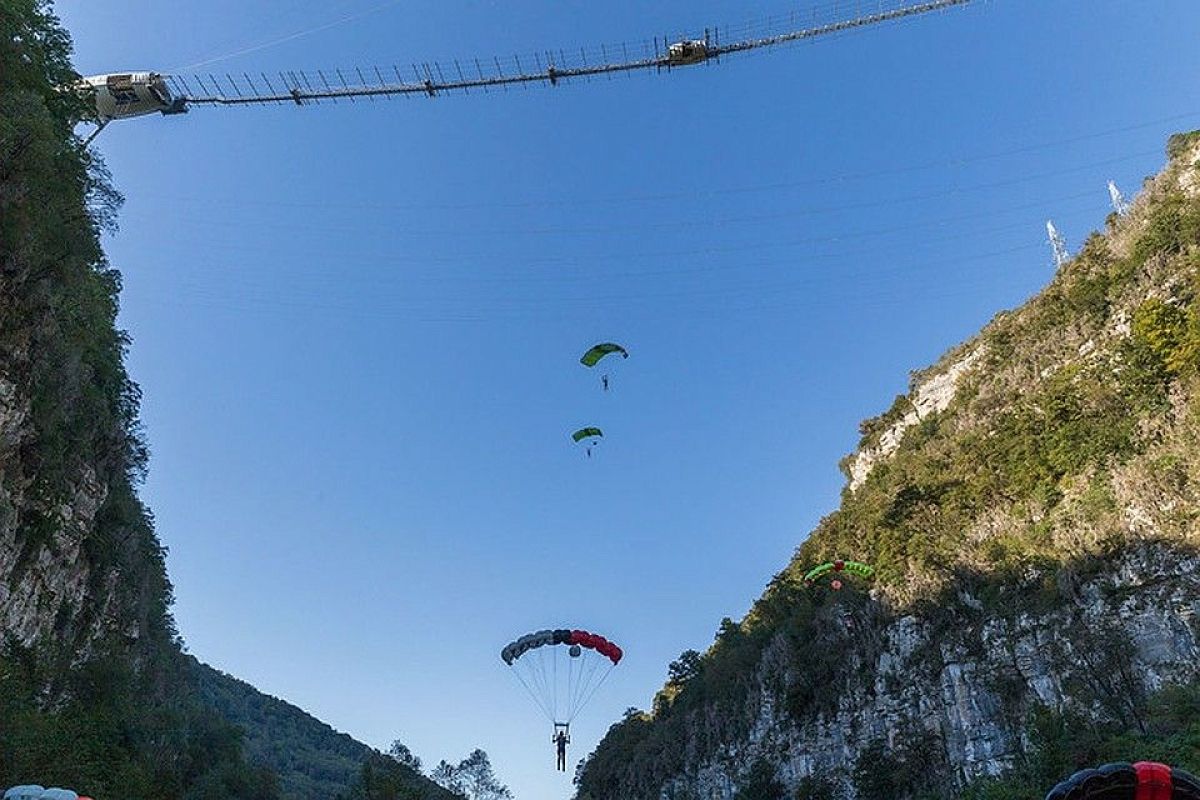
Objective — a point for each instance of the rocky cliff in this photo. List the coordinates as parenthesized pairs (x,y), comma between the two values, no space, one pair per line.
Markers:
(1031,507)
(80,568)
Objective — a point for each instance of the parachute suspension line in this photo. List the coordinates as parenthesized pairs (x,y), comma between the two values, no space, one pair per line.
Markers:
(595,689)
(584,679)
(527,680)
(538,672)
(573,683)
(587,666)
(540,704)
(574,675)
(547,676)
(537,680)
(554,659)
(577,702)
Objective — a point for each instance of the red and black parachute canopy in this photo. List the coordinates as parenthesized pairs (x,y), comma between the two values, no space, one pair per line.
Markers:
(530,641)
(561,669)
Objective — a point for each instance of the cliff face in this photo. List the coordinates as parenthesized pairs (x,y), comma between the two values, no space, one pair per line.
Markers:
(970,692)
(80,568)
(52,591)
(1031,507)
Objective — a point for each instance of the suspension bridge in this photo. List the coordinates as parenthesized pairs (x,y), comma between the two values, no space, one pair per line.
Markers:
(431,79)
(132,94)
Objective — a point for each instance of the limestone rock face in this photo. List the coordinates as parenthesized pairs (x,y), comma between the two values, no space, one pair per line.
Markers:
(931,396)
(969,691)
(51,588)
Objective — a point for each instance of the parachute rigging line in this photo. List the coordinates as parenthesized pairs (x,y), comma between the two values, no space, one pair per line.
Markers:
(596,688)
(544,684)
(536,699)
(583,683)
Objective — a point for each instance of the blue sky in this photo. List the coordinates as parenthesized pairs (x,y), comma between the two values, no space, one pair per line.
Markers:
(357,326)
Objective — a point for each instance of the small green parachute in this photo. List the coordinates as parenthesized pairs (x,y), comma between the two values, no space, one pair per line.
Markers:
(852,567)
(587,433)
(592,357)
(590,438)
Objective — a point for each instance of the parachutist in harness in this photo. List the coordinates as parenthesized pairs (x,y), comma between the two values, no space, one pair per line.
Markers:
(561,738)
(597,354)
(590,437)
(563,677)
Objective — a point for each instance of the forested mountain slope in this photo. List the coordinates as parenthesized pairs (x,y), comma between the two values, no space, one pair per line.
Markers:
(95,691)
(1031,506)
(311,758)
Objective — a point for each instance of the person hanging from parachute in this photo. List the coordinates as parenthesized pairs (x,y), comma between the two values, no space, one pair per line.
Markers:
(561,738)
(563,677)
(596,354)
(590,437)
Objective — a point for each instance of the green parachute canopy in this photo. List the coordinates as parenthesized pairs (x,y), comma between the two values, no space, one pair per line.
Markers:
(587,433)
(592,357)
(852,567)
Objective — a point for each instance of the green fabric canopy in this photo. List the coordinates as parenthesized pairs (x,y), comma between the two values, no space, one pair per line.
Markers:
(587,433)
(592,357)
(853,567)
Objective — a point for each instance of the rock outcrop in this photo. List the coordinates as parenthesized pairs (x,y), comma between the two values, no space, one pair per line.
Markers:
(970,691)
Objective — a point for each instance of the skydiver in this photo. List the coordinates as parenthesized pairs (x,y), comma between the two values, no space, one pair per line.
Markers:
(604,380)
(561,739)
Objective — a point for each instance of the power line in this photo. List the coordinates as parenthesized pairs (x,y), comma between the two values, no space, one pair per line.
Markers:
(713,192)
(704,223)
(450,310)
(278,40)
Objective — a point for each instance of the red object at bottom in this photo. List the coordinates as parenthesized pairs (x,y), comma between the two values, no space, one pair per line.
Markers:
(1154,781)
